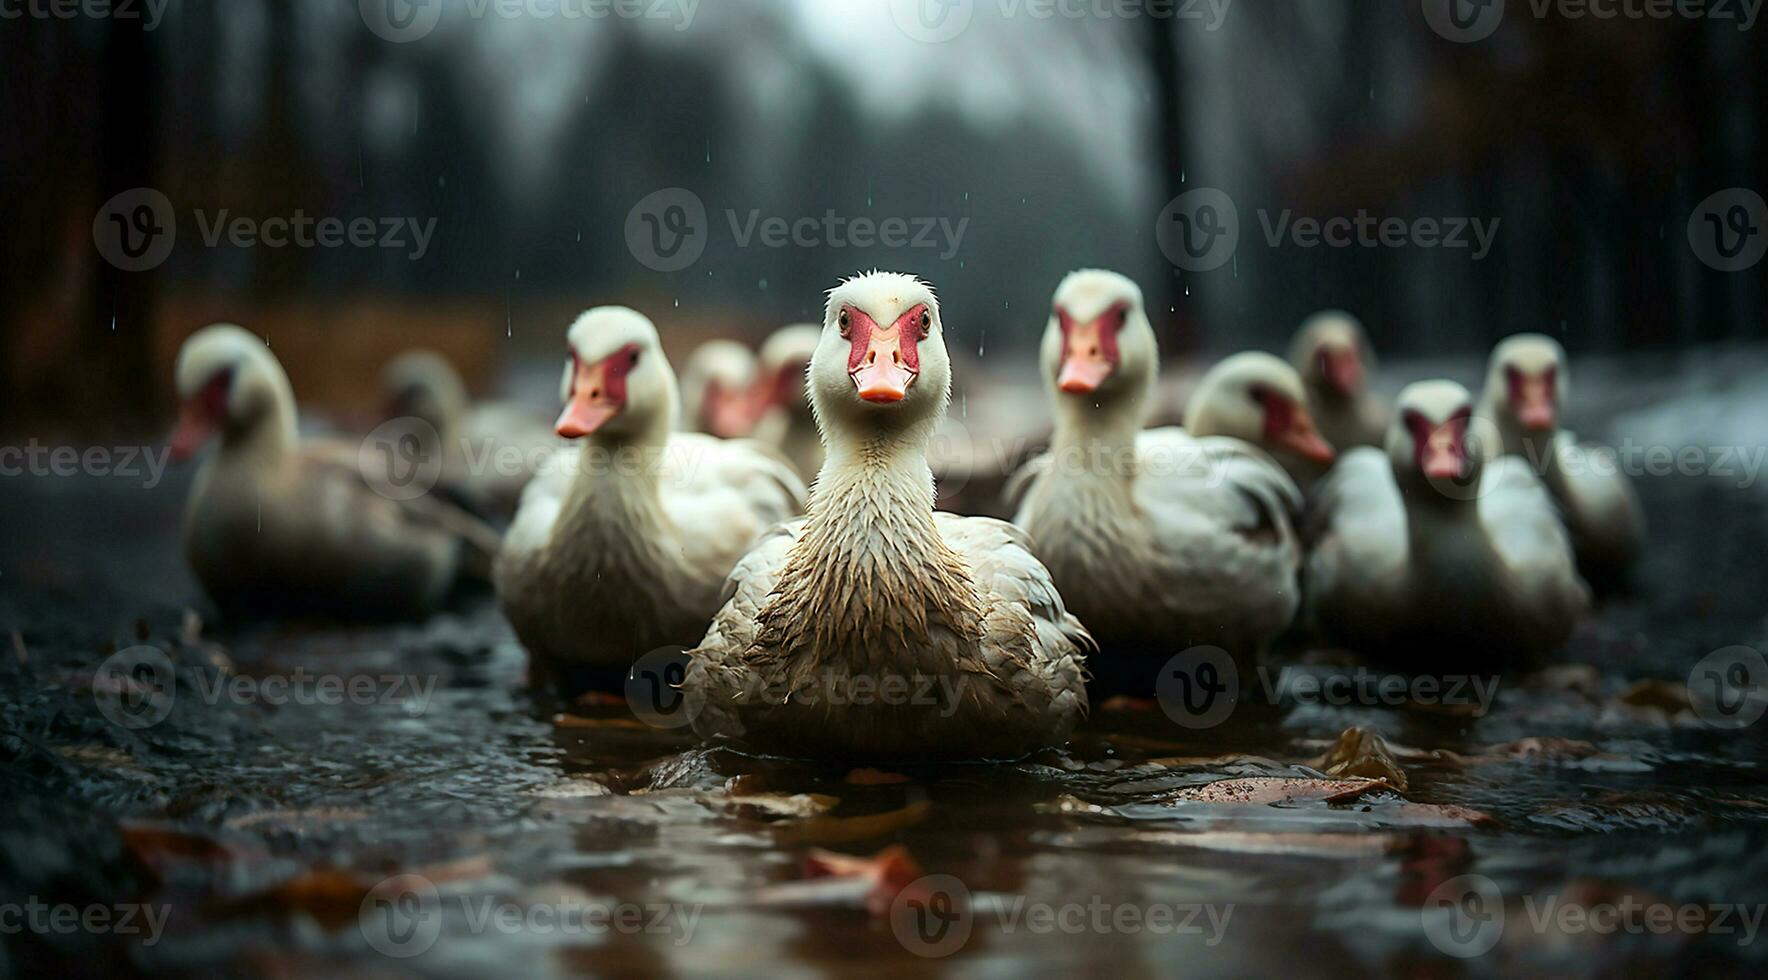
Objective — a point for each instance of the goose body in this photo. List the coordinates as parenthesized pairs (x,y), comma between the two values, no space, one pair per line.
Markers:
(1163,539)
(623,545)
(787,422)
(275,524)
(1426,557)
(875,628)
(488,451)
(1525,387)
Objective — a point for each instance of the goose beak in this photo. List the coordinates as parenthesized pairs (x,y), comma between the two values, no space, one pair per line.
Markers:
(1304,439)
(1441,456)
(729,415)
(591,405)
(1085,365)
(1534,406)
(1342,369)
(882,377)
(193,431)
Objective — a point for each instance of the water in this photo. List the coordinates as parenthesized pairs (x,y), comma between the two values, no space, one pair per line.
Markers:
(262,827)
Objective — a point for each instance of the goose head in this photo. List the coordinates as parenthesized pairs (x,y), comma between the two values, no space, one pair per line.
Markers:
(1256,398)
(229,383)
(1525,383)
(785,361)
(422,384)
(716,386)
(880,366)
(1099,348)
(1332,352)
(1428,440)
(617,385)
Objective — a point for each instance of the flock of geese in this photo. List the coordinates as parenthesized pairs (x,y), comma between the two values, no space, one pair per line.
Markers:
(1439,532)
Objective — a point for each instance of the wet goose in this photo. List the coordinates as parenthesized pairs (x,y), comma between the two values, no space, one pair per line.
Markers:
(623,546)
(717,389)
(1428,557)
(876,628)
(278,524)
(1332,353)
(787,422)
(488,451)
(1165,538)
(1525,387)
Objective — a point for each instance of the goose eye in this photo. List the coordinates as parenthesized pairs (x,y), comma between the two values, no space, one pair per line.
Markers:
(846,323)
(633,362)
(926,320)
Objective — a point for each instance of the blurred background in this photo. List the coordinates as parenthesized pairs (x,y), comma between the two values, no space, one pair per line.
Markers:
(1015,140)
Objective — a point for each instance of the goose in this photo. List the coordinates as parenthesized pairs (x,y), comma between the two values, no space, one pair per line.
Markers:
(787,423)
(277,524)
(1525,387)
(1167,538)
(489,451)
(876,628)
(1331,351)
(717,388)
(1430,557)
(623,547)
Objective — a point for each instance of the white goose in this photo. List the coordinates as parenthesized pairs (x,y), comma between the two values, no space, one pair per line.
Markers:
(876,628)
(1333,355)
(623,546)
(787,422)
(275,524)
(1165,538)
(1429,557)
(488,451)
(717,389)
(1525,387)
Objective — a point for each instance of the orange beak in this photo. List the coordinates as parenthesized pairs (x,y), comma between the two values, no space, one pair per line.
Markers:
(1534,405)
(882,376)
(1302,438)
(193,431)
(1441,456)
(592,403)
(1084,364)
(729,415)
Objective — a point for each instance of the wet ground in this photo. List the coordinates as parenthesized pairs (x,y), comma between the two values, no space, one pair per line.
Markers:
(440,819)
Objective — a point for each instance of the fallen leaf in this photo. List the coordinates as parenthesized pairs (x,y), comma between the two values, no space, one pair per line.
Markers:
(889,873)
(1352,845)
(842,830)
(1360,752)
(1124,702)
(1669,697)
(578,721)
(875,777)
(1266,790)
